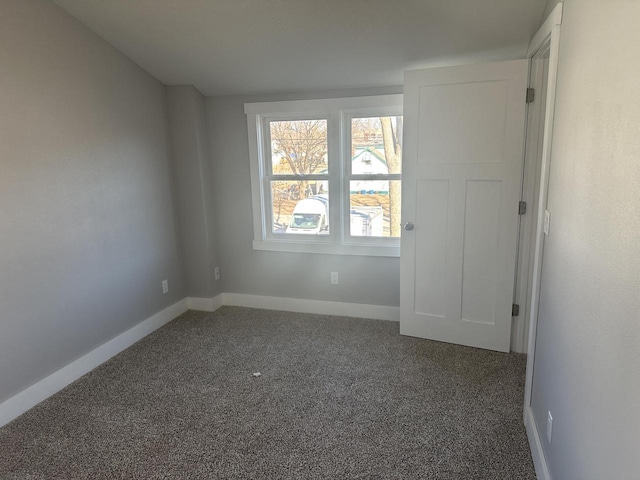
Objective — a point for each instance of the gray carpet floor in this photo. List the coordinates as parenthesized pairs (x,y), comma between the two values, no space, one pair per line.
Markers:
(338,398)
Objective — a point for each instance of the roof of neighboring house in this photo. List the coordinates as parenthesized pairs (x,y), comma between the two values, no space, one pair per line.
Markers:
(374,150)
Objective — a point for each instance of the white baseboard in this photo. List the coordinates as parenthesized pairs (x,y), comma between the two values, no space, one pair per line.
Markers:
(323,307)
(16,405)
(204,304)
(539,460)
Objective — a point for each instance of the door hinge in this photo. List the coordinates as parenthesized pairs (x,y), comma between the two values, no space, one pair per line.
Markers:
(522,208)
(531,95)
(515,310)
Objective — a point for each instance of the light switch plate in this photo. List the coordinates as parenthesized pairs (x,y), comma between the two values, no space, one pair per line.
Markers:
(547,222)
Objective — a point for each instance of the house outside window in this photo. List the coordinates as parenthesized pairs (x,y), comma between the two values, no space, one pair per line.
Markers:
(327,175)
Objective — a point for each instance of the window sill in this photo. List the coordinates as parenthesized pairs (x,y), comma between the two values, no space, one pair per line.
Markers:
(327,249)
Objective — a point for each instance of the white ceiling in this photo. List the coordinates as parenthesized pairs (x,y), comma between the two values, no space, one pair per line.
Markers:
(228,47)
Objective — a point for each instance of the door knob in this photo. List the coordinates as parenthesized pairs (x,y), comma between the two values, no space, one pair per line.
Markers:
(408,226)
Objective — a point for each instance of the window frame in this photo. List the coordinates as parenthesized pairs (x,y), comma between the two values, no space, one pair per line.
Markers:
(338,112)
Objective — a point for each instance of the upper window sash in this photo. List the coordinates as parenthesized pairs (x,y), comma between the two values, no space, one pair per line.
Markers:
(267,152)
(347,117)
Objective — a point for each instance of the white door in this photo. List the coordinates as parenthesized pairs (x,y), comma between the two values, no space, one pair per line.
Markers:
(462,171)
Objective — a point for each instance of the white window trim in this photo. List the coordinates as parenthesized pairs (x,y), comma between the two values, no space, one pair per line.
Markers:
(338,112)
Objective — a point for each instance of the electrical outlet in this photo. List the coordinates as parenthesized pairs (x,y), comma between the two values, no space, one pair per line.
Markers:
(334,278)
(549,426)
(165,286)
(216,272)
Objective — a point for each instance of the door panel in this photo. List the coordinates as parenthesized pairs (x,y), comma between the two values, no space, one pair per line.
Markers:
(464,132)
(478,108)
(479,257)
(430,258)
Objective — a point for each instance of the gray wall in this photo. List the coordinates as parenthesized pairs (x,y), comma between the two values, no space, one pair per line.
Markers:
(369,280)
(194,189)
(587,364)
(86,213)
(551,4)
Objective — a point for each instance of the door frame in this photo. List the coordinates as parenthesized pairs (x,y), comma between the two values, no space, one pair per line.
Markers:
(547,37)
(538,69)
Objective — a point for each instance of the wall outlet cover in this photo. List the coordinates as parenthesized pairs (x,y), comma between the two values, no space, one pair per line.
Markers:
(165,286)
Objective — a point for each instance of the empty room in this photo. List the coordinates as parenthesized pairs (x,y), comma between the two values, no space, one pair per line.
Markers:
(277,239)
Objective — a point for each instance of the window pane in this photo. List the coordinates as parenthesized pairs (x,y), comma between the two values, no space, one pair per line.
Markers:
(298,147)
(306,214)
(375,208)
(376,145)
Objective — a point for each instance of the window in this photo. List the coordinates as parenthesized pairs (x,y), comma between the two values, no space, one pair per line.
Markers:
(298,150)
(327,175)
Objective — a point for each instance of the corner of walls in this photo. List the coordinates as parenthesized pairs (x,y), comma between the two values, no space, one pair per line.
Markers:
(174,197)
(207,181)
(193,184)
